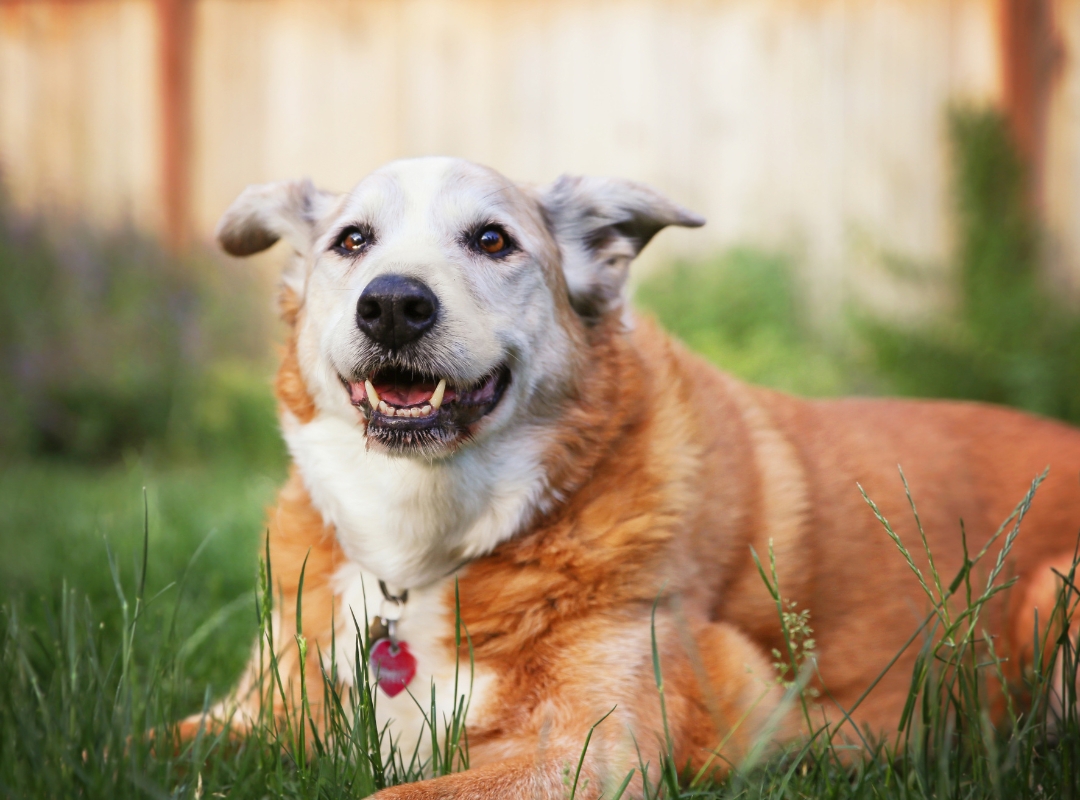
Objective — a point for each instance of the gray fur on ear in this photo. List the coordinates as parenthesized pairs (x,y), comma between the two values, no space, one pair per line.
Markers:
(601,225)
(264,213)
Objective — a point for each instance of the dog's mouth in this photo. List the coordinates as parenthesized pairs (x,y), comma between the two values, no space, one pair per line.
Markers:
(406,409)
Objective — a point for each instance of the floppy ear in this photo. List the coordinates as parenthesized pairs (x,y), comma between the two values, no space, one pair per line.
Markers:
(601,225)
(264,213)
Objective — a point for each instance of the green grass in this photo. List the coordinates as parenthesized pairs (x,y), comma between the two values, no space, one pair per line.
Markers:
(59,522)
(124,610)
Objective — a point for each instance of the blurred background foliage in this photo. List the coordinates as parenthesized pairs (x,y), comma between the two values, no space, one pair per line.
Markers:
(122,367)
(110,346)
(1007,335)
(742,312)
(1010,337)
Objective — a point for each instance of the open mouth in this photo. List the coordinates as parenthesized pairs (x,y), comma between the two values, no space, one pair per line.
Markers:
(406,408)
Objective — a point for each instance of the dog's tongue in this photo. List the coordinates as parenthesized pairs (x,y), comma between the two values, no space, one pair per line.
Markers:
(402,396)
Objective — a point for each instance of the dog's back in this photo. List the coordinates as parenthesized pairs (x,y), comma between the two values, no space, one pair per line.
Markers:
(967,466)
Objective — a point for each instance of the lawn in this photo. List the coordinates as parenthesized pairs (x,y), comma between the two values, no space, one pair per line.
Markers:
(61,525)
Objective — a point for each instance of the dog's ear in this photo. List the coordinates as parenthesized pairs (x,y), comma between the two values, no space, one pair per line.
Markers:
(264,213)
(601,225)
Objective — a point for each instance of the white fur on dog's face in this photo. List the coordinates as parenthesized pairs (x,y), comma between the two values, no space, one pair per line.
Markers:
(408,508)
(492,311)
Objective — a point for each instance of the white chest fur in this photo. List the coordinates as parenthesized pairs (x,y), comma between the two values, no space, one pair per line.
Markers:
(409,521)
(412,523)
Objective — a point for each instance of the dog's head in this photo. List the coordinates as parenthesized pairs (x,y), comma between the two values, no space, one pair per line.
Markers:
(441,301)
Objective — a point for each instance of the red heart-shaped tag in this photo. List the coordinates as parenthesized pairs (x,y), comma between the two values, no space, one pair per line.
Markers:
(392,665)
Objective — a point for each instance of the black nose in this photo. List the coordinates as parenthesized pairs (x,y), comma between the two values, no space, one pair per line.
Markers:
(394,310)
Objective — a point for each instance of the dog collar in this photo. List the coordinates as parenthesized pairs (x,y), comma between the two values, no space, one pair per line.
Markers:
(389,659)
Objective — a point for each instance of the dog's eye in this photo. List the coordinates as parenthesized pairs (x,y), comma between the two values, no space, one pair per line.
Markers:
(352,240)
(493,240)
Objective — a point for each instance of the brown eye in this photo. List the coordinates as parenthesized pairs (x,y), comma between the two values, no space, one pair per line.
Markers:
(352,240)
(491,241)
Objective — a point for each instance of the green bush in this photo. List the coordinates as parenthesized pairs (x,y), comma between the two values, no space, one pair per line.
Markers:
(742,311)
(108,345)
(1010,339)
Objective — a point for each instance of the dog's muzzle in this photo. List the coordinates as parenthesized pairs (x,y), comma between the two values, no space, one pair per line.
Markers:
(406,410)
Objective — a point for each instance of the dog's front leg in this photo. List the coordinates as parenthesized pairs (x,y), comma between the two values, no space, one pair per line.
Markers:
(719,699)
(524,777)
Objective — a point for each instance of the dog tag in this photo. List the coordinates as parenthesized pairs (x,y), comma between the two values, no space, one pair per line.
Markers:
(392,665)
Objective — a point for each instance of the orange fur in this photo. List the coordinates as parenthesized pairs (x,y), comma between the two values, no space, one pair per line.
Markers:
(663,475)
(289,383)
(1040,592)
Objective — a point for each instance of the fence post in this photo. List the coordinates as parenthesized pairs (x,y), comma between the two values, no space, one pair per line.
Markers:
(176,20)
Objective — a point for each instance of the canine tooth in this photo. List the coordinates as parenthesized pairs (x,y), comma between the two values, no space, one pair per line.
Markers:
(425,410)
(437,395)
(385,409)
(372,395)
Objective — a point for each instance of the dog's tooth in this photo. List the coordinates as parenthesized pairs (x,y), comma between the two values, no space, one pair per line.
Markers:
(425,410)
(385,409)
(437,395)
(372,395)
(415,412)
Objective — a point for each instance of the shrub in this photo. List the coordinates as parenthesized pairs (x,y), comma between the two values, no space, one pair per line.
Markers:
(742,311)
(1010,339)
(108,344)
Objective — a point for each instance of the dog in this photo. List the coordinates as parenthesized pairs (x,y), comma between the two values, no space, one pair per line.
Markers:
(486,437)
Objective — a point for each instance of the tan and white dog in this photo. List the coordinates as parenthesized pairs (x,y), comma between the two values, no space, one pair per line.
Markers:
(468,399)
